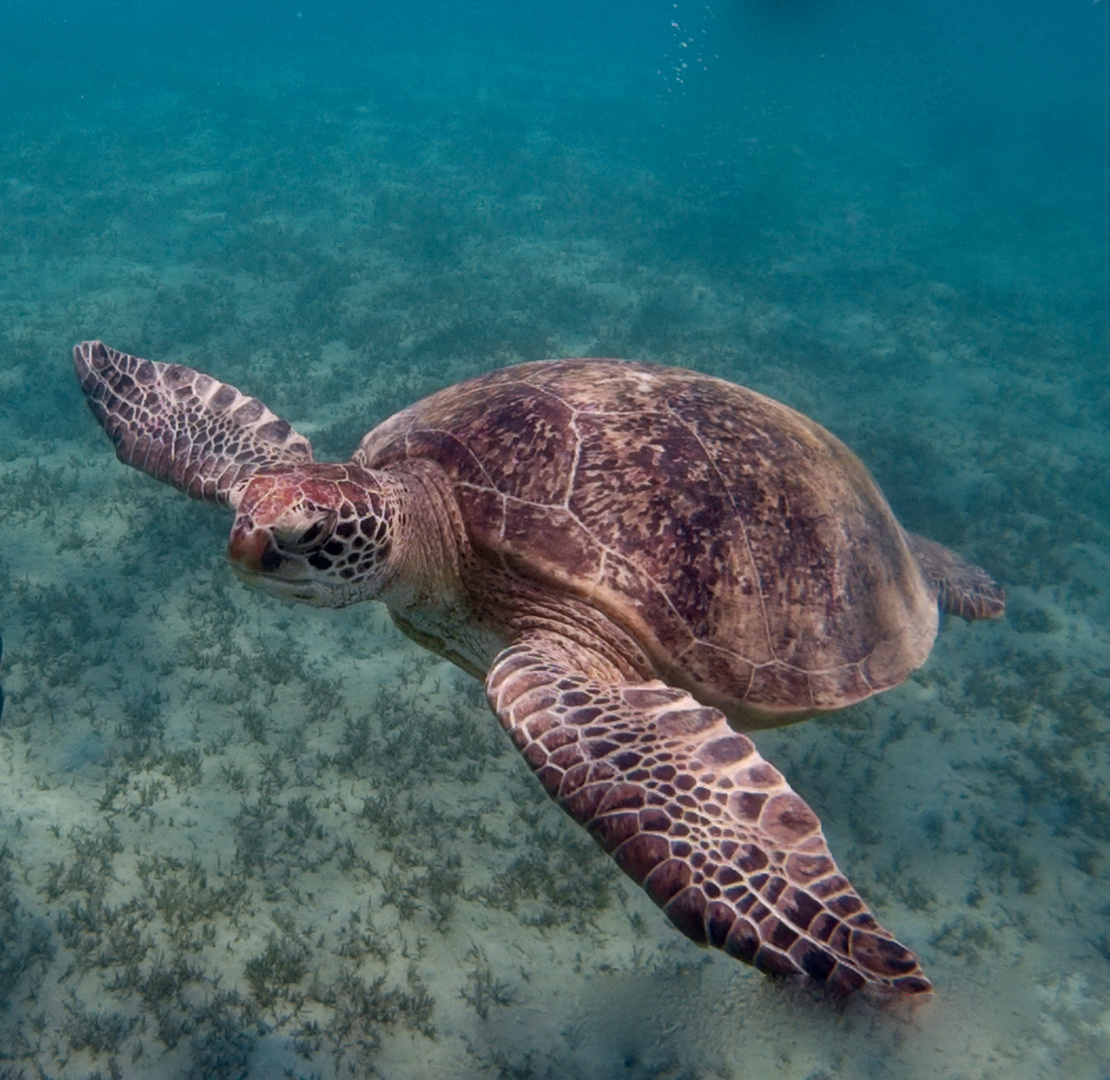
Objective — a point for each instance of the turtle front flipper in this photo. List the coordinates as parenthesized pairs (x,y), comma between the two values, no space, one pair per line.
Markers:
(962,588)
(181,426)
(690,811)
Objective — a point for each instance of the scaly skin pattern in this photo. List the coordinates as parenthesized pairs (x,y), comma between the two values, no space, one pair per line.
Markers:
(690,811)
(181,426)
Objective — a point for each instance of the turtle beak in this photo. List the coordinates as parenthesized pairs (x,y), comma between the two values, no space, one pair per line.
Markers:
(247,550)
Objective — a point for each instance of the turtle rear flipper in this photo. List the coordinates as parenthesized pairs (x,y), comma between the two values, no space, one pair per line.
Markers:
(689,810)
(962,588)
(181,426)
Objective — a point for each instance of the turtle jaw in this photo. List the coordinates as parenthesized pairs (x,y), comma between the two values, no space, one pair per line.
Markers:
(276,585)
(257,562)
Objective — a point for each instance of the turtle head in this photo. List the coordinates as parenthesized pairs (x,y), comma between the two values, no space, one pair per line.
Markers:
(321,534)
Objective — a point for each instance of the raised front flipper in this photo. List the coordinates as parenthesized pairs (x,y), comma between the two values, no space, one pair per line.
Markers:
(181,426)
(691,812)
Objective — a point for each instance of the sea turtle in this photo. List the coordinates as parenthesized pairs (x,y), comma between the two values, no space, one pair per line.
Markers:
(638,561)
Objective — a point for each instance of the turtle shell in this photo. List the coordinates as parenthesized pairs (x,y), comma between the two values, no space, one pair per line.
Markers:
(746,549)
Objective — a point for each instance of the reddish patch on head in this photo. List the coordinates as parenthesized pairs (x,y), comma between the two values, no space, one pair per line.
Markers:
(246,547)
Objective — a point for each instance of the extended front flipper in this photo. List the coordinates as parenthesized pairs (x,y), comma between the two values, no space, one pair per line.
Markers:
(690,811)
(181,426)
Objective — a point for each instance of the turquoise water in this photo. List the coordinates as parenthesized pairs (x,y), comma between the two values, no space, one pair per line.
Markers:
(244,839)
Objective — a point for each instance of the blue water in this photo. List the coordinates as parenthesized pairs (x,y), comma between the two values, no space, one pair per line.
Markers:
(239,839)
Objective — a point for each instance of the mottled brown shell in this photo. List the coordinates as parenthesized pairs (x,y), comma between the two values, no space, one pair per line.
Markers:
(746,549)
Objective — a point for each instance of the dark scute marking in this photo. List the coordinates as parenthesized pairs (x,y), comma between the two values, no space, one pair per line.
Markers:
(250,411)
(806,868)
(651,698)
(602,770)
(575,778)
(599,748)
(845,905)
(640,855)
(582,803)
(576,697)
(718,922)
(816,962)
(687,912)
(774,963)
(881,954)
(773,890)
(758,911)
(583,716)
(652,819)
(612,830)
(222,398)
(687,721)
(747,805)
(727,750)
(667,879)
(830,887)
(779,934)
(742,897)
(786,817)
(551,777)
(622,796)
(823,926)
(763,773)
(844,981)
(913,984)
(560,736)
(537,725)
(567,755)
(275,431)
(626,760)
(800,908)
(742,941)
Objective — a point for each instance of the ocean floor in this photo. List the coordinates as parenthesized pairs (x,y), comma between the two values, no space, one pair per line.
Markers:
(245,839)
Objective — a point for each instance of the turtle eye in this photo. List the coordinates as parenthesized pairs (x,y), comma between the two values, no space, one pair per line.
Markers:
(307,538)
